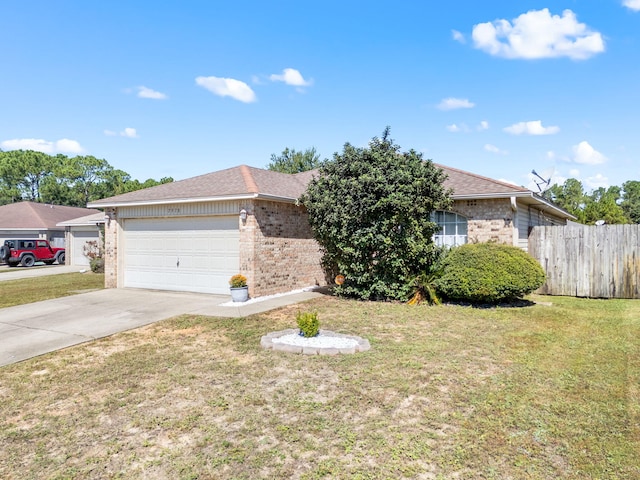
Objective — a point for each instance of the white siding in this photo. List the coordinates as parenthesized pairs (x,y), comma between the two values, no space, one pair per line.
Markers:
(78,240)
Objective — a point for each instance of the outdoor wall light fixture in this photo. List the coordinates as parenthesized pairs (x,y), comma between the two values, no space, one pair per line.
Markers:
(243,215)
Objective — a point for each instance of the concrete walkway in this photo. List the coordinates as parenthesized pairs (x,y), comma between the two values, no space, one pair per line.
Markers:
(30,330)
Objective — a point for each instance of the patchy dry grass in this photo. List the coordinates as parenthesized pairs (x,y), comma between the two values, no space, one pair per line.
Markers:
(29,290)
(541,392)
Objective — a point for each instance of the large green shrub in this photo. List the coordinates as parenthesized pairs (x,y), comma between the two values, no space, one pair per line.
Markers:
(489,273)
(369,208)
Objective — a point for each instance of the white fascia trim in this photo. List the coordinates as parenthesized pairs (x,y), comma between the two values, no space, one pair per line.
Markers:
(251,196)
(172,201)
(32,229)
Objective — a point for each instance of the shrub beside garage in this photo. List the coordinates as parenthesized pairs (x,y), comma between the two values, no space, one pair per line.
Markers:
(489,273)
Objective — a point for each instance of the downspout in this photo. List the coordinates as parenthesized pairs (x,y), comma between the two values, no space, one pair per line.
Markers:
(516,226)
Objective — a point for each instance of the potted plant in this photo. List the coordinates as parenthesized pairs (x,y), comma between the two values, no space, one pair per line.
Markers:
(239,289)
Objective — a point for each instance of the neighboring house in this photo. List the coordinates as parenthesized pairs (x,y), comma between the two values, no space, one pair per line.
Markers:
(81,234)
(194,234)
(37,220)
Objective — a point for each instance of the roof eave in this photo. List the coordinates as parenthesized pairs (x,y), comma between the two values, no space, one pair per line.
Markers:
(26,229)
(141,203)
(536,199)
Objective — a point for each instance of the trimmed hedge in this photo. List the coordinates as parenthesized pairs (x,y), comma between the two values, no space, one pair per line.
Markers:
(489,273)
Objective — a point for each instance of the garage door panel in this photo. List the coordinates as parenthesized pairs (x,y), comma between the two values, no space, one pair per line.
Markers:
(187,254)
(79,240)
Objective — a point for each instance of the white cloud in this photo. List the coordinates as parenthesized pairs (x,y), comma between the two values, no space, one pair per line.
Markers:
(127,132)
(484,125)
(63,145)
(228,87)
(632,4)
(68,146)
(291,76)
(145,92)
(574,172)
(505,180)
(493,149)
(597,181)
(538,34)
(458,36)
(585,154)
(454,128)
(533,127)
(455,103)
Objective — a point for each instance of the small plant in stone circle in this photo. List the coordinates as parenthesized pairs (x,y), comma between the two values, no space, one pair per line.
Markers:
(308,324)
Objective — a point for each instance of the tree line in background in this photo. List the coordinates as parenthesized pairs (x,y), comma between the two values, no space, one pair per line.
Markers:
(75,181)
(61,180)
(614,205)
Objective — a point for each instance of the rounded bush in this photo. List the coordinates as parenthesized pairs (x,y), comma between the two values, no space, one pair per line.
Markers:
(97,265)
(489,273)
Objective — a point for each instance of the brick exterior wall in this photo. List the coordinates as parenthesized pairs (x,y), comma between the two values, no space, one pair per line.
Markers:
(110,250)
(277,250)
(488,220)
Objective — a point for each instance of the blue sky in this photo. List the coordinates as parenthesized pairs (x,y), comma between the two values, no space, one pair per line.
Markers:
(186,88)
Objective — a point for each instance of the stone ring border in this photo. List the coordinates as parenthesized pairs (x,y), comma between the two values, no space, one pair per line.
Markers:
(362,344)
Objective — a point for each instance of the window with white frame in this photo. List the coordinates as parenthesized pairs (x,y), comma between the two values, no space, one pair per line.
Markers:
(453,229)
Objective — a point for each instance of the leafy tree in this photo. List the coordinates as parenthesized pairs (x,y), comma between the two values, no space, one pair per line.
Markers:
(36,176)
(369,208)
(24,171)
(291,161)
(603,204)
(631,200)
(570,196)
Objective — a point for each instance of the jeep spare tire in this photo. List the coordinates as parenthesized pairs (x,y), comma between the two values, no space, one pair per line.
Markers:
(28,261)
(4,253)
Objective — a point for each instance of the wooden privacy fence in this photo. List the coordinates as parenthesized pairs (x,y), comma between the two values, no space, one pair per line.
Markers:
(589,261)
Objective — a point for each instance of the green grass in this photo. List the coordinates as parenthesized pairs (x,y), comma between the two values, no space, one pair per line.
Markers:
(29,290)
(541,392)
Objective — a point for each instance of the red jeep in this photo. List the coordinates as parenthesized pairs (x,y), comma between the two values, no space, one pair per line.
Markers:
(28,252)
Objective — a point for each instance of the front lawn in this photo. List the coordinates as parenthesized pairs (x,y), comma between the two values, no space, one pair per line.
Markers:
(541,392)
(29,290)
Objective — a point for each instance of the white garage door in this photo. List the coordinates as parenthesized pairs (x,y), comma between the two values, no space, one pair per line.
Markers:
(79,240)
(193,254)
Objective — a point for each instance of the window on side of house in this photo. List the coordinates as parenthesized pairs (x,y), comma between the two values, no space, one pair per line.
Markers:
(453,229)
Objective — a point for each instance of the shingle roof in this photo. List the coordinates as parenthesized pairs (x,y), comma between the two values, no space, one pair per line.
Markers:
(92,219)
(40,216)
(237,181)
(469,184)
(245,181)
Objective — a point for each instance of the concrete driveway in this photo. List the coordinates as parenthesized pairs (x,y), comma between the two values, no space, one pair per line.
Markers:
(30,330)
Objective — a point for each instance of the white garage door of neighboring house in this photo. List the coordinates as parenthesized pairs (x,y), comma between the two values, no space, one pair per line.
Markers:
(192,254)
(78,242)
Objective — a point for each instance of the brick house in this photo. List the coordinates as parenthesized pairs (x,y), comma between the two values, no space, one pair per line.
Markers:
(38,221)
(194,234)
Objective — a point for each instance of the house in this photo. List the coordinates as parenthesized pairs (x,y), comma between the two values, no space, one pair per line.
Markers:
(194,234)
(488,210)
(80,234)
(37,220)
